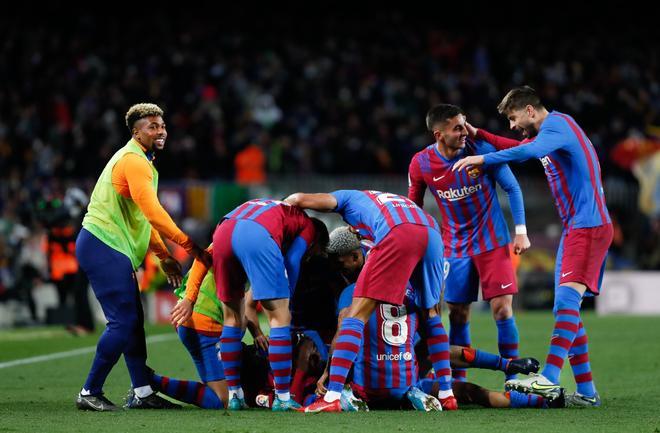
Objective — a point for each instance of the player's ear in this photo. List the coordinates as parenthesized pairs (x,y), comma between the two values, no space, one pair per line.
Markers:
(530,110)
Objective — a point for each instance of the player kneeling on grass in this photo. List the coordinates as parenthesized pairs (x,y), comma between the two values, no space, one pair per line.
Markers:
(198,318)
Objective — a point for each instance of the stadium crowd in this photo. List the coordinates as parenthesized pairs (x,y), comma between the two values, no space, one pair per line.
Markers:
(336,97)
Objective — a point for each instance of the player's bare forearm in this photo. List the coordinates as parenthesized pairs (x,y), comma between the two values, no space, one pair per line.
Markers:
(252,320)
(321,202)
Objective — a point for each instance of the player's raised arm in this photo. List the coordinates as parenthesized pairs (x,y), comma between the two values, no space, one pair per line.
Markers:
(321,202)
(498,141)
(550,138)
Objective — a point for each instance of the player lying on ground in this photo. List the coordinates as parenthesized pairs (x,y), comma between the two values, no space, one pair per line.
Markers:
(408,247)
(386,369)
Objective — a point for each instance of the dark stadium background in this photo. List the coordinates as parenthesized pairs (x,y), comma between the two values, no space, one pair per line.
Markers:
(328,95)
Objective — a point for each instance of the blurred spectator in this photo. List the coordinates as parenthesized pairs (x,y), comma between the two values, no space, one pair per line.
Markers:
(344,98)
(250,164)
(338,95)
(61,215)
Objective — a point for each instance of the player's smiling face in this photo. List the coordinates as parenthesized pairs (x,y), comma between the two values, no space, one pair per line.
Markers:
(522,120)
(452,134)
(150,132)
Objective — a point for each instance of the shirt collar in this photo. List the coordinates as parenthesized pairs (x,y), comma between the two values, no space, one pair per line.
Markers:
(149,154)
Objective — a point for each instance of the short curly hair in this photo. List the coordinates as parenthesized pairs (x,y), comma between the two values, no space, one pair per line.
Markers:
(140,111)
(342,241)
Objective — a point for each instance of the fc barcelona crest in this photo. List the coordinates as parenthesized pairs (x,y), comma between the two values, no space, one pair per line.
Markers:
(474,172)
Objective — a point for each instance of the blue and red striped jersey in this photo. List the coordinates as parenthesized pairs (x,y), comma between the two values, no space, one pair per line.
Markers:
(373,213)
(571,167)
(472,219)
(387,356)
(283,221)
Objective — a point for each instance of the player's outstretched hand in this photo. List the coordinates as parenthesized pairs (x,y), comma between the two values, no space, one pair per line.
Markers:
(521,244)
(261,342)
(472,131)
(172,270)
(181,312)
(320,384)
(467,162)
(202,255)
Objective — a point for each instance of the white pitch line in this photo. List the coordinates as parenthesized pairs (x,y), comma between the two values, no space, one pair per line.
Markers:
(75,352)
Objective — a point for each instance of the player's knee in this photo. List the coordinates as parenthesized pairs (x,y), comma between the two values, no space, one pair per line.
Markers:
(459,313)
(361,308)
(279,316)
(121,331)
(502,312)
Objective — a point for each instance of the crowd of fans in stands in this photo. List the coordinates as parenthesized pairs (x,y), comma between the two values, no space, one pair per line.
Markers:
(335,96)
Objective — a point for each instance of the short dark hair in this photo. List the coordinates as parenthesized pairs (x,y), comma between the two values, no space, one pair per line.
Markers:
(140,111)
(441,113)
(518,98)
(321,236)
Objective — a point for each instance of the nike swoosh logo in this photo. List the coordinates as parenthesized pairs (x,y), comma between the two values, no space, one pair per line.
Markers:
(536,386)
(99,407)
(435,179)
(566,274)
(504,286)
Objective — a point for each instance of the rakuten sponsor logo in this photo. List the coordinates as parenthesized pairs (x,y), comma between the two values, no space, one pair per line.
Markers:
(405,356)
(454,194)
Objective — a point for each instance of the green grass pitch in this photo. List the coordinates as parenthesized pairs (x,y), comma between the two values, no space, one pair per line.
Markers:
(625,356)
